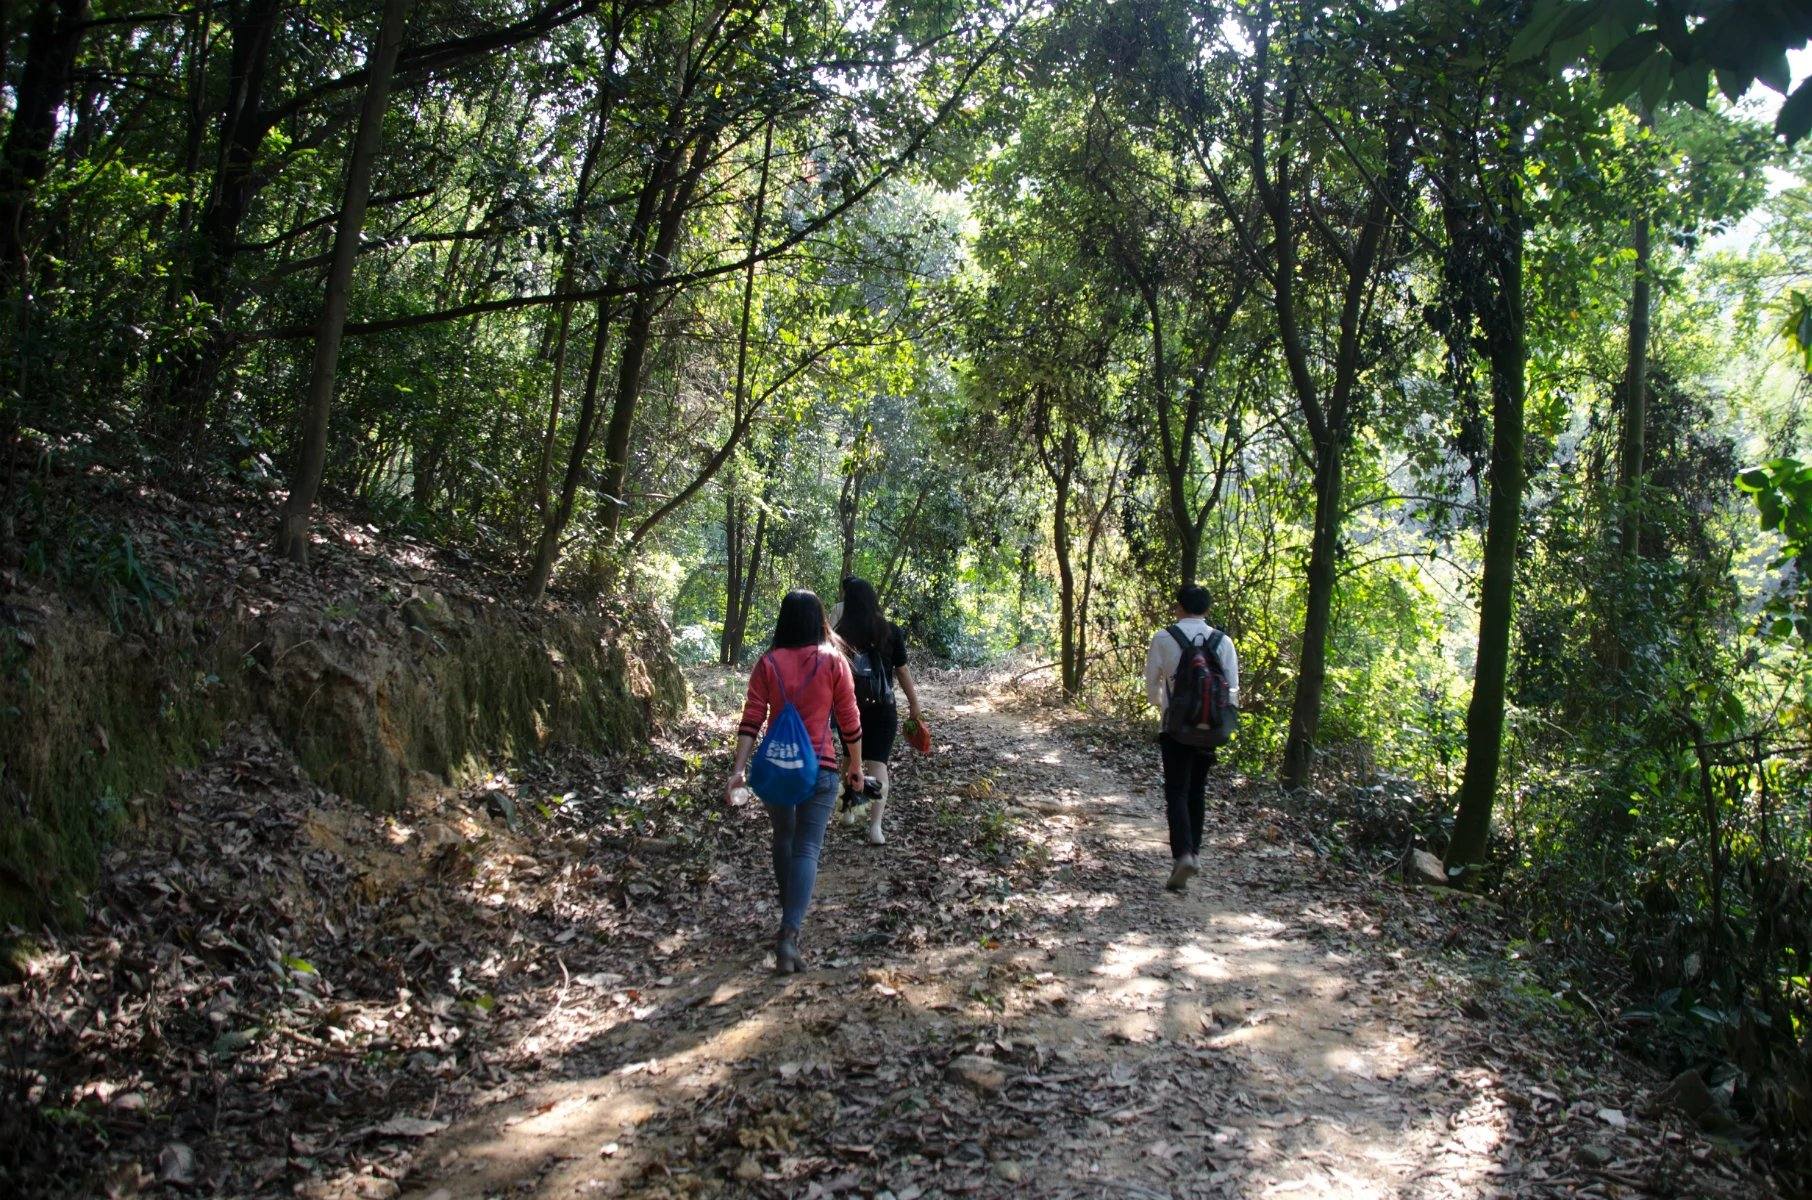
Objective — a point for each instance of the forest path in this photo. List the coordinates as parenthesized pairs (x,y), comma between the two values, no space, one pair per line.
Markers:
(1055,1024)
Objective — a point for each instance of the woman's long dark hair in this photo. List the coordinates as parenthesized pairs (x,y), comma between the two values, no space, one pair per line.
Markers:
(801,621)
(862,624)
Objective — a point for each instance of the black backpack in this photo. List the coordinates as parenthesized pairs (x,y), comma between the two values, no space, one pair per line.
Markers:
(874,677)
(1200,712)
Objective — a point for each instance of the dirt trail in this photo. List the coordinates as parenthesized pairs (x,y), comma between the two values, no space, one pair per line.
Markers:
(1081,1034)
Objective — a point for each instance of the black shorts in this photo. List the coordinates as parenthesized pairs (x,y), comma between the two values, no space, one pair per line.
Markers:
(880,724)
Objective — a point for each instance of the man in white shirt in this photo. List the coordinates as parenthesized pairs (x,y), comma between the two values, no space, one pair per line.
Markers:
(1186,767)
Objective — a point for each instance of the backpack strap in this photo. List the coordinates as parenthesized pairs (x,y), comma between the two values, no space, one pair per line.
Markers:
(1215,638)
(779,687)
(1176,631)
(884,667)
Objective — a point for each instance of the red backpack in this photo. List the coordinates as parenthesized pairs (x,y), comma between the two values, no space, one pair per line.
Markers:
(1200,712)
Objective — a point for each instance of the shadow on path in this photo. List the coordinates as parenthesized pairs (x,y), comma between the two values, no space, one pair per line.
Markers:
(1090,1035)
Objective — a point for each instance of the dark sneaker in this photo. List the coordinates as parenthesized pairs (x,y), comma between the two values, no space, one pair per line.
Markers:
(787,959)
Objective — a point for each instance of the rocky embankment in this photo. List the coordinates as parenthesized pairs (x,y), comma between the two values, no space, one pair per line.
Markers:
(139,629)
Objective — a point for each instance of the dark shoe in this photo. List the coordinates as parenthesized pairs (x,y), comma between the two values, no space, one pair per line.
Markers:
(1181,873)
(787,960)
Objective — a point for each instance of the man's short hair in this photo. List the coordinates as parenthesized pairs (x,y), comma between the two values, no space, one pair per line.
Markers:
(1192,598)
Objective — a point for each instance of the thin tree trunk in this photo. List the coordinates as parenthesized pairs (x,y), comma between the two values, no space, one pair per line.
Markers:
(638,333)
(311,461)
(553,525)
(1066,584)
(1178,447)
(1311,672)
(194,137)
(547,547)
(1635,398)
(750,575)
(849,507)
(1060,466)
(1019,603)
(732,575)
(741,408)
(1327,413)
(902,547)
(564,317)
(1177,458)
(1095,521)
(1485,715)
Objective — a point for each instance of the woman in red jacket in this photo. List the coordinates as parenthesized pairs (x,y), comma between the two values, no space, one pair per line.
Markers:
(804,665)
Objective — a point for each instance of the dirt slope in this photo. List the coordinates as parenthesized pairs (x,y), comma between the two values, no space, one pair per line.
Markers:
(1005,1002)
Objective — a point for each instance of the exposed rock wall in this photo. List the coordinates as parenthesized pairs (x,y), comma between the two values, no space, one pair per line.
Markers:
(384,692)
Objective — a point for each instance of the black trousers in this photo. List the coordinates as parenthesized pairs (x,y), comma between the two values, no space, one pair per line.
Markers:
(1185,784)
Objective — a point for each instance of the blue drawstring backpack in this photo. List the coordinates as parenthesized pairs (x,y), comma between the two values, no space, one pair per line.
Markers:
(785,770)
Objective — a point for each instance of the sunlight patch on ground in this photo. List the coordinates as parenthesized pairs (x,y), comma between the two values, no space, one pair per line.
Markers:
(573,1121)
(1124,960)
(566,1126)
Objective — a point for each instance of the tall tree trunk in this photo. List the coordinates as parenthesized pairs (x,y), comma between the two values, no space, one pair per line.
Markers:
(1066,585)
(311,460)
(1326,411)
(54,34)
(751,579)
(638,336)
(732,574)
(1485,715)
(554,522)
(194,137)
(638,333)
(553,527)
(1060,466)
(1311,672)
(564,316)
(1635,399)
(849,509)
(1096,520)
(1179,454)
(742,407)
(1026,574)
(181,388)
(742,597)
(902,547)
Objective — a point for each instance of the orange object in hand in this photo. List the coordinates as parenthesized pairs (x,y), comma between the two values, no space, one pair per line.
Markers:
(919,736)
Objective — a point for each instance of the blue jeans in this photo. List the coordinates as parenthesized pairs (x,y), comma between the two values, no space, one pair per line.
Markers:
(798,839)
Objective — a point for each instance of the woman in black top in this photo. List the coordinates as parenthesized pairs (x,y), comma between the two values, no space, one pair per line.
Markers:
(878,653)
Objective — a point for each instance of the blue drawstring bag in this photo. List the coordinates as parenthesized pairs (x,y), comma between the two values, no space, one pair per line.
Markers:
(785,770)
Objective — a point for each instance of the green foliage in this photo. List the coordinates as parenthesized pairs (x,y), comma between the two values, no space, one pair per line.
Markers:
(1782,491)
(1797,328)
(1650,52)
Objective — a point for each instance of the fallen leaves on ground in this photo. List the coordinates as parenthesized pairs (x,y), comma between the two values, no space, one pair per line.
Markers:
(555,983)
